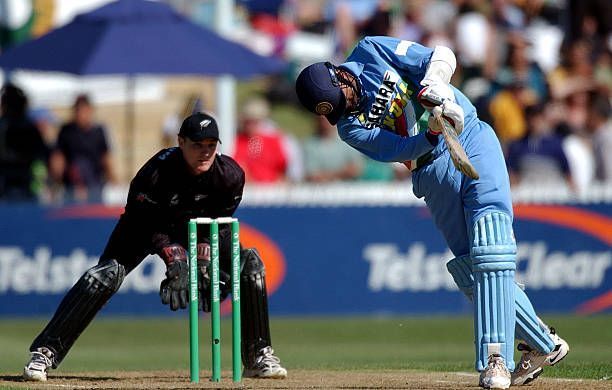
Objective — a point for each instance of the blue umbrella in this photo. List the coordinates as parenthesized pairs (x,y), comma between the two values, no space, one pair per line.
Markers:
(137,37)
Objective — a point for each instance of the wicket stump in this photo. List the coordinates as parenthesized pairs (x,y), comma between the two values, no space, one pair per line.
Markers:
(215,314)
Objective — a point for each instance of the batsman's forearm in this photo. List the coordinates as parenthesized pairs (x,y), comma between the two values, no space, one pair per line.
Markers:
(386,146)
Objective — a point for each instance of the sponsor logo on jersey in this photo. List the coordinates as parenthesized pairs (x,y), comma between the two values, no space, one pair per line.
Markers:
(391,108)
(385,93)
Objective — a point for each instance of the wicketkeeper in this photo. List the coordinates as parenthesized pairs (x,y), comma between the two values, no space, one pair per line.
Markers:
(381,98)
(177,184)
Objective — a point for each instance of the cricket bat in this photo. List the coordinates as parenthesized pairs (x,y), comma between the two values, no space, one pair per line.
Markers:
(460,159)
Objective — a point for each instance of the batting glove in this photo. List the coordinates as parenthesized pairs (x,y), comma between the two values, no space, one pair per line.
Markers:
(453,113)
(435,95)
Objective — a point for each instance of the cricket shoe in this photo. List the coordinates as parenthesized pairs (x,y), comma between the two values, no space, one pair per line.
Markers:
(532,361)
(495,375)
(36,369)
(266,366)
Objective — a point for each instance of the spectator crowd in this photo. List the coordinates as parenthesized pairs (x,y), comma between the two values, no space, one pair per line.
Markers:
(539,71)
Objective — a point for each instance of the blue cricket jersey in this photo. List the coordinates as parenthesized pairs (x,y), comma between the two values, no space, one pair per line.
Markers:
(391,124)
(474,215)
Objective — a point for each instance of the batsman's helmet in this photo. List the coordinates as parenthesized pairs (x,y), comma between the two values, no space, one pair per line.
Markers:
(319,90)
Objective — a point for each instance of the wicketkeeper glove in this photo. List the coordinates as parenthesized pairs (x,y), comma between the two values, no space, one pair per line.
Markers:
(204,279)
(174,289)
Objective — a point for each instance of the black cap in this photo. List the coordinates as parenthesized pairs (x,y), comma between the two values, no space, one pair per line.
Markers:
(319,91)
(199,126)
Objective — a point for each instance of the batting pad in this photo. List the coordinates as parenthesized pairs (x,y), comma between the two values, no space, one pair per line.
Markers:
(460,269)
(529,327)
(493,254)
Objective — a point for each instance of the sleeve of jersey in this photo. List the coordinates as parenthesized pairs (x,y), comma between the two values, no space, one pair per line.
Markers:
(410,59)
(144,207)
(383,145)
(235,176)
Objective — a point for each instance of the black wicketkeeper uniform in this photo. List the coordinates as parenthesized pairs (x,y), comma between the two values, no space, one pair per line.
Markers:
(163,196)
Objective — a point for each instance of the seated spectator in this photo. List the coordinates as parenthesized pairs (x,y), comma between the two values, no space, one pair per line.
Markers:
(327,158)
(577,143)
(507,110)
(409,25)
(22,149)
(538,158)
(81,159)
(520,66)
(474,33)
(260,148)
(599,125)
(575,73)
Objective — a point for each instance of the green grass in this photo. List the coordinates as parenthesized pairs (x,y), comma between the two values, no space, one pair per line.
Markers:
(432,344)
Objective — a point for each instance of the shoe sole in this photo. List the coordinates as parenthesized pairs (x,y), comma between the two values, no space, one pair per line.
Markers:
(35,378)
(499,386)
(533,376)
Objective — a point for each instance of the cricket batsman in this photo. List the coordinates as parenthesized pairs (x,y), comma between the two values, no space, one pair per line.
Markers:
(381,99)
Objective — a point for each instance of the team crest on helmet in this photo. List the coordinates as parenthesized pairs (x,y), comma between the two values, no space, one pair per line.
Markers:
(324,108)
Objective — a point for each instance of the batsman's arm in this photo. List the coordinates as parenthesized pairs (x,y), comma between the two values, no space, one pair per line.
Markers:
(383,145)
(420,64)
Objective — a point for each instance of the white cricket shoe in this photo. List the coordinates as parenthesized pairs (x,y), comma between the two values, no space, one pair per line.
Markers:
(40,362)
(266,366)
(495,375)
(532,361)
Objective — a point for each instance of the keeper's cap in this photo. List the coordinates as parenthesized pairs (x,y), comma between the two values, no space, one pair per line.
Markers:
(199,126)
(318,89)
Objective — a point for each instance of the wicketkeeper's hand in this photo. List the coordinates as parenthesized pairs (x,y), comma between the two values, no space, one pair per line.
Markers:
(174,289)
(204,279)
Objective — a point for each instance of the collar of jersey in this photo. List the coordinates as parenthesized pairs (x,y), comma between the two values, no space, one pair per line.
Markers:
(355,68)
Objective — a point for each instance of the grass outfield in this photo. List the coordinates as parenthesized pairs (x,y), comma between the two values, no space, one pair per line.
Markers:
(360,343)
